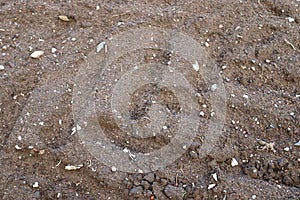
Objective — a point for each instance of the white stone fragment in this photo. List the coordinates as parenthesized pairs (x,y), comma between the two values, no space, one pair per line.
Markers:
(214,87)
(37,54)
(35,185)
(18,147)
(100,46)
(297,143)
(2,67)
(113,169)
(215,177)
(196,66)
(234,162)
(245,96)
(73,167)
(211,186)
(291,19)
(286,149)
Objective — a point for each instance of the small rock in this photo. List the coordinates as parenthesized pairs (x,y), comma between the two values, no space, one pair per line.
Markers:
(234,162)
(251,171)
(37,194)
(149,177)
(113,169)
(100,46)
(2,67)
(245,96)
(287,180)
(291,19)
(37,54)
(211,186)
(215,177)
(145,184)
(35,185)
(173,192)
(283,162)
(297,143)
(286,149)
(136,191)
(196,66)
(64,18)
(213,87)
(193,154)
(201,113)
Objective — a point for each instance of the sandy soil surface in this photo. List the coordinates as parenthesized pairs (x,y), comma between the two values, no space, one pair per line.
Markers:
(254,46)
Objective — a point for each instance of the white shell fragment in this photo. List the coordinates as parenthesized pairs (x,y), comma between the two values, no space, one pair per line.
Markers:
(35,185)
(215,177)
(73,167)
(196,66)
(100,46)
(234,162)
(18,147)
(113,169)
(291,19)
(297,143)
(1,67)
(64,18)
(213,87)
(37,54)
(211,186)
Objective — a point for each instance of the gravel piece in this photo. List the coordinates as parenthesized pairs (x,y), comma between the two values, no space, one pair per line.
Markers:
(149,177)
(251,171)
(173,192)
(234,162)
(136,191)
(37,54)
(145,184)
(193,154)
(2,67)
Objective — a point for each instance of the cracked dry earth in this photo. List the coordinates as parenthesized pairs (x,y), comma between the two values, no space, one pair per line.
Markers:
(255,47)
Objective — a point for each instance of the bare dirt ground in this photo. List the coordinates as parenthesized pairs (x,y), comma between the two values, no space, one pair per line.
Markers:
(255,46)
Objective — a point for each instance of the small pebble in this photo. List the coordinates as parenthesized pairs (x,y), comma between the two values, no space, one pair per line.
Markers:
(2,67)
(214,87)
(234,162)
(215,177)
(100,46)
(297,143)
(173,192)
(291,19)
(113,169)
(35,185)
(211,186)
(37,54)
(286,149)
(53,50)
(136,191)
(193,154)
(150,177)
(196,66)
(64,18)
(201,113)
(245,96)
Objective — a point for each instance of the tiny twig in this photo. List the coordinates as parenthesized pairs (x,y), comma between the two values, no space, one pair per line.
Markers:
(57,164)
(290,44)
